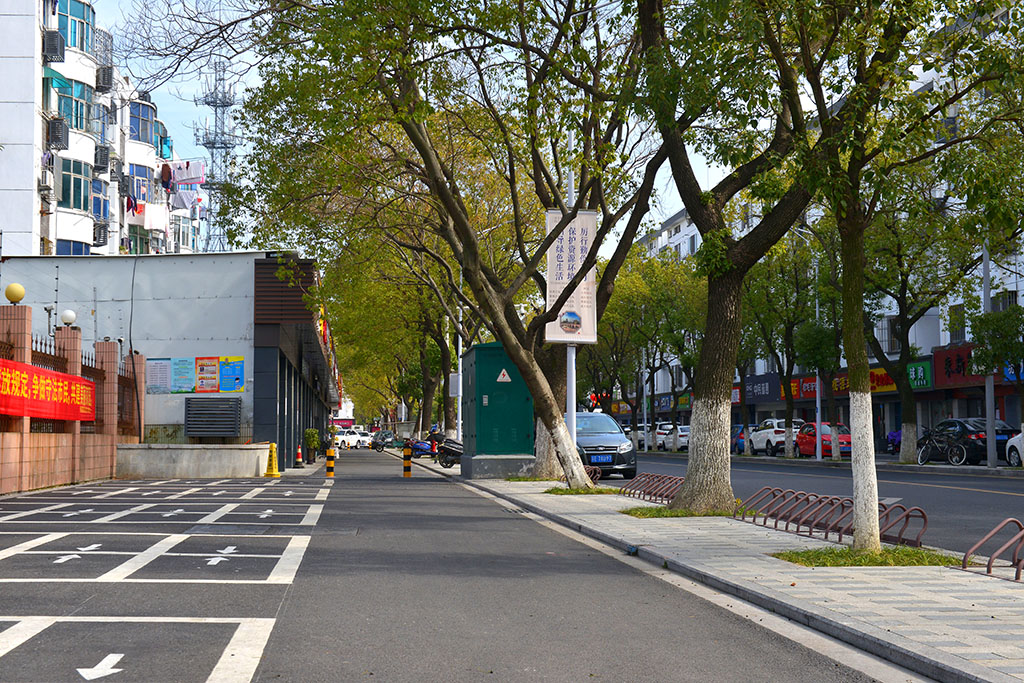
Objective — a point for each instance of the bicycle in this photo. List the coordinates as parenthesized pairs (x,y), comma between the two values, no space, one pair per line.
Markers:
(935,445)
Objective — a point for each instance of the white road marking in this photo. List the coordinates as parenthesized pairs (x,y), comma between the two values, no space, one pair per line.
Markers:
(172,513)
(218,493)
(285,569)
(329,483)
(322,494)
(75,513)
(267,513)
(165,481)
(217,560)
(104,668)
(238,662)
(227,550)
(123,513)
(28,545)
(128,568)
(288,493)
(150,493)
(79,493)
(183,493)
(24,630)
(252,494)
(94,546)
(117,492)
(219,482)
(312,516)
(64,558)
(217,514)
(49,508)
(889,501)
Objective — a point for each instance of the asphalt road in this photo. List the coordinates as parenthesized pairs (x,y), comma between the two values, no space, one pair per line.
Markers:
(374,576)
(961,508)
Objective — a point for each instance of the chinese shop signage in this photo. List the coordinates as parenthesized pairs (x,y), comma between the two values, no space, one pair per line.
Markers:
(28,391)
(952,368)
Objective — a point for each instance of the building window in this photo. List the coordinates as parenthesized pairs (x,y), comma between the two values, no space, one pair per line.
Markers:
(75,185)
(141,177)
(140,122)
(74,102)
(1004,301)
(100,200)
(162,141)
(887,336)
(72,248)
(693,244)
(75,21)
(138,238)
(957,325)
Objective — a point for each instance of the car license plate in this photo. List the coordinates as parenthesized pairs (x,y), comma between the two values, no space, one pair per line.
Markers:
(844,449)
(600,458)
(1002,437)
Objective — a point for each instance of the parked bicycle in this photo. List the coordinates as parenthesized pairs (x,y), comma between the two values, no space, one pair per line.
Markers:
(933,446)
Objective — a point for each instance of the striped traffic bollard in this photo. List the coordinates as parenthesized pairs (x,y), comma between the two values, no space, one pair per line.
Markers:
(330,462)
(407,461)
(272,462)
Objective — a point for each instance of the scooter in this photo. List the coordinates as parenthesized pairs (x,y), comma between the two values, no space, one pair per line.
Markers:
(893,440)
(449,453)
(419,448)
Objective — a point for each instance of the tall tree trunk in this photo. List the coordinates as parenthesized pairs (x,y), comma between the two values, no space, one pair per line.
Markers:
(865,480)
(449,411)
(787,393)
(708,485)
(552,360)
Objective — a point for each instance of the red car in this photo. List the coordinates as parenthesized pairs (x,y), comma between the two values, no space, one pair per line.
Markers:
(806,437)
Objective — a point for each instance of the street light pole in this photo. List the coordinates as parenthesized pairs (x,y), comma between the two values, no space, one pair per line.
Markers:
(990,389)
(817,378)
(570,349)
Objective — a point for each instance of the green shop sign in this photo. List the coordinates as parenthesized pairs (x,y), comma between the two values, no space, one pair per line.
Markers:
(920,374)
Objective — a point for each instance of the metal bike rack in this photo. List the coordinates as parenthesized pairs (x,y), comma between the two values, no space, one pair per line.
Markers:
(656,488)
(809,512)
(1016,541)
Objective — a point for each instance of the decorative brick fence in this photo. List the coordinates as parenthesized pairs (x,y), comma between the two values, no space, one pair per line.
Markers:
(39,452)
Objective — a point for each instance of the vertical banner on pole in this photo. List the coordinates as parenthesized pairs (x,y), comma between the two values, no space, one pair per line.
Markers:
(577,321)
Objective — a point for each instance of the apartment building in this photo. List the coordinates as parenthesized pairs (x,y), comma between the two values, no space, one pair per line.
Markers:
(86,165)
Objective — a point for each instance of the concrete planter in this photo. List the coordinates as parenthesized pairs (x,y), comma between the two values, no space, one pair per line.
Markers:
(188,461)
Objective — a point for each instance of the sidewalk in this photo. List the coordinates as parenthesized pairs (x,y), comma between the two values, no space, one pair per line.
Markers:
(941,622)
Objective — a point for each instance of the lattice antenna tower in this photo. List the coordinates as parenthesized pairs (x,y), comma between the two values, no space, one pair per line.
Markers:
(219,141)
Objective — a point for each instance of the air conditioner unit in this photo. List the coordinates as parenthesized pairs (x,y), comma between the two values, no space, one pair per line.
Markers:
(124,184)
(100,233)
(46,180)
(53,46)
(111,113)
(101,160)
(57,134)
(105,79)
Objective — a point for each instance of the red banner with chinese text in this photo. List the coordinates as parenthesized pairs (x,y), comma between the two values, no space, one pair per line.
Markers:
(28,391)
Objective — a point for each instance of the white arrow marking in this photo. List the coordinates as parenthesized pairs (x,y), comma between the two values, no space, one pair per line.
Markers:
(75,514)
(218,493)
(94,546)
(227,550)
(64,558)
(150,493)
(288,493)
(172,512)
(266,513)
(104,668)
(217,560)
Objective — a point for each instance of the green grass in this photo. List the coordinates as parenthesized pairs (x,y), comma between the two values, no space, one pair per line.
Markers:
(897,556)
(662,511)
(559,491)
(515,478)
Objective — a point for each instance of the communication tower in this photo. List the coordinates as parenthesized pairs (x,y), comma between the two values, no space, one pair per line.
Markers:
(219,141)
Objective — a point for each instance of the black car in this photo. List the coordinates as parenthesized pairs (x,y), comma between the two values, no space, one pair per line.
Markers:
(602,443)
(970,431)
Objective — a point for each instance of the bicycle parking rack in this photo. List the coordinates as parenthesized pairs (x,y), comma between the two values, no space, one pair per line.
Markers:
(809,512)
(1016,541)
(656,488)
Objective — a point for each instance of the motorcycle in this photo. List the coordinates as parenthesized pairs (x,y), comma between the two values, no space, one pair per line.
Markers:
(449,453)
(419,448)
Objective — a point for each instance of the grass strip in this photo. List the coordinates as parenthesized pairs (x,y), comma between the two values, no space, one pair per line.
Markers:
(894,556)
(559,491)
(662,511)
(517,478)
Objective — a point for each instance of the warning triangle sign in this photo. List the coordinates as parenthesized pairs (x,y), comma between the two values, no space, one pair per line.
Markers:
(503,377)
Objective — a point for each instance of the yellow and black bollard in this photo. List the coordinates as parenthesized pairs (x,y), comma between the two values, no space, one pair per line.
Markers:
(272,462)
(330,462)
(407,461)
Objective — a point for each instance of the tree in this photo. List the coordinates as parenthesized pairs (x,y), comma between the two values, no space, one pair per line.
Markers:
(780,299)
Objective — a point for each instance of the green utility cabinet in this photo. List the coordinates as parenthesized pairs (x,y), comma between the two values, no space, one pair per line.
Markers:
(498,413)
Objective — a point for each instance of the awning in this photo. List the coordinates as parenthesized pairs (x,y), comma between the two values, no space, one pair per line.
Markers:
(58,80)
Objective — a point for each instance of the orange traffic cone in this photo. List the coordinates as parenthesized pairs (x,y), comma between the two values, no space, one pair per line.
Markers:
(298,458)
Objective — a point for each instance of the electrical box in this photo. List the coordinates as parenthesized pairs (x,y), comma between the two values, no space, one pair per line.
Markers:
(496,405)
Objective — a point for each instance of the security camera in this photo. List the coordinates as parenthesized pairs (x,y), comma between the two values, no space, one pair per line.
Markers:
(48,308)
(120,340)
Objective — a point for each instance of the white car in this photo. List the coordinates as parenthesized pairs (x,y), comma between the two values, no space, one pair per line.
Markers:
(664,436)
(1014,450)
(770,435)
(349,438)
(364,439)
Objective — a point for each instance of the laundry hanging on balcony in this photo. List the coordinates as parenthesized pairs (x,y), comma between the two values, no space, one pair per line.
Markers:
(188,172)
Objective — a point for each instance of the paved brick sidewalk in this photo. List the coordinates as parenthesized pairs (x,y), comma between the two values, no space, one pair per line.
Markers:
(941,622)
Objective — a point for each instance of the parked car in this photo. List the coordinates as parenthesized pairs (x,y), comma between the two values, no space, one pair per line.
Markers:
(806,439)
(348,438)
(664,437)
(602,443)
(770,435)
(970,431)
(641,430)
(1014,449)
(363,440)
(737,440)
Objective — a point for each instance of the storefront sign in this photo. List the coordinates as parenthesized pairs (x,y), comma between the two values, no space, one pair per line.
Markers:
(28,391)
(952,368)
(577,320)
(735,395)
(880,380)
(762,388)
(920,374)
(685,401)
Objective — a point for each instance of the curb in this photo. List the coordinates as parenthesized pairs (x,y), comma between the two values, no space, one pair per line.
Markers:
(883,644)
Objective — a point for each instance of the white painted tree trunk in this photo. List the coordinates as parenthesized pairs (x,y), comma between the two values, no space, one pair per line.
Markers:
(908,443)
(545,463)
(675,439)
(747,448)
(709,459)
(789,443)
(865,479)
